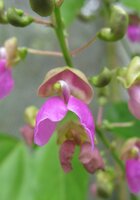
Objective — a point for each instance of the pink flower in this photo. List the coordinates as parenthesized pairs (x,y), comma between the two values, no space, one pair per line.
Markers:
(54,110)
(6,79)
(133,32)
(134,101)
(133,175)
(76,80)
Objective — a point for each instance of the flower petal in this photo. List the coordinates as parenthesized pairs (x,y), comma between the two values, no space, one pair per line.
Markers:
(6,79)
(53,110)
(91,160)
(133,175)
(134,107)
(134,92)
(133,33)
(85,116)
(65,154)
(76,80)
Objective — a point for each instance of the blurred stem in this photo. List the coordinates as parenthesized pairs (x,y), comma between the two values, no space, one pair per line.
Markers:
(114,154)
(84,46)
(108,146)
(100,115)
(41,52)
(60,32)
(41,21)
(126,48)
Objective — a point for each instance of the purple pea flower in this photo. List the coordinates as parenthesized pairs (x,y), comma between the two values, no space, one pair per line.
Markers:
(133,175)
(134,101)
(133,32)
(6,78)
(54,110)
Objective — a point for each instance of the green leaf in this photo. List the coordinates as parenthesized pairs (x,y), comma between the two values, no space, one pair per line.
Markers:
(119,113)
(37,175)
(12,172)
(70,9)
(7,144)
(53,183)
(134,4)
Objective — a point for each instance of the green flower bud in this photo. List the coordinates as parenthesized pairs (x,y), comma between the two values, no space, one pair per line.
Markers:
(102,79)
(118,25)
(30,115)
(42,7)
(17,18)
(104,191)
(105,182)
(3,17)
(131,74)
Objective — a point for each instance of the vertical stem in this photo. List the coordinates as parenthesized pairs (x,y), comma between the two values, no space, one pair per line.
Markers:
(59,28)
(107,144)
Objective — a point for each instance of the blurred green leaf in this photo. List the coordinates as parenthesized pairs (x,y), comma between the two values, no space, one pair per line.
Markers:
(37,175)
(12,172)
(119,113)
(7,144)
(134,4)
(53,183)
(70,9)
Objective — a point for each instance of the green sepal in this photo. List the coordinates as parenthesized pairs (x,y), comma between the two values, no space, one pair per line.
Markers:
(17,18)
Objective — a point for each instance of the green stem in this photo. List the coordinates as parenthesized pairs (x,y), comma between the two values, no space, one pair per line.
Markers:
(59,28)
(113,153)
(108,146)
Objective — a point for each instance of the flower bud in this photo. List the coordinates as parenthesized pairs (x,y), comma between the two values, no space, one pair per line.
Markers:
(102,79)
(11,51)
(91,159)
(104,190)
(3,17)
(30,115)
(118,25)
(42,7)
(105,182)
(17,18)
